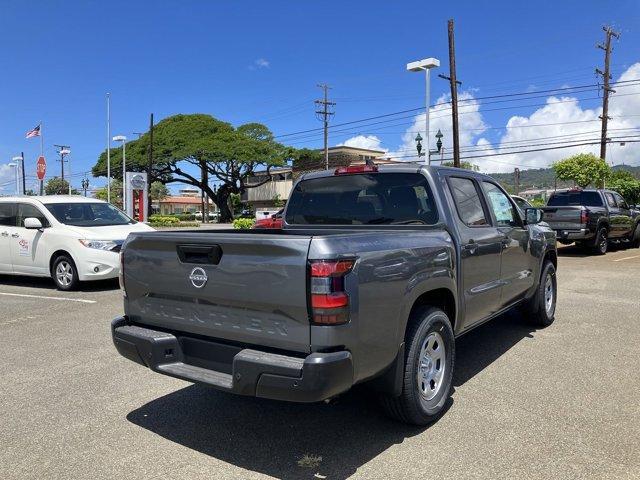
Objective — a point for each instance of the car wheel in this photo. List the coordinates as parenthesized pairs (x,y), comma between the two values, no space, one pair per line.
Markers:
(602,241)
(65,273)
(635,237)
(541,309)
(428,369)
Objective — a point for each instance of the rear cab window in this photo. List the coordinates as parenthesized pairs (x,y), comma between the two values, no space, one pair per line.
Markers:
(385,198)
(575,199)
(466,197)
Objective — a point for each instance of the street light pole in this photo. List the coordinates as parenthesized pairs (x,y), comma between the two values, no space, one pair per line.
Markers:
(427,64)
(123,139)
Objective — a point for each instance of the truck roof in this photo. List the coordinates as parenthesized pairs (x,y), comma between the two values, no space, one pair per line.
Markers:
(402,167)
(48,199)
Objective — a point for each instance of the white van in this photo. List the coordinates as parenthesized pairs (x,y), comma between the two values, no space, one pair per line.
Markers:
(68,238)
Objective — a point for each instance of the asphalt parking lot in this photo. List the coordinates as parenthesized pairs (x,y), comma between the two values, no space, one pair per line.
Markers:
(563,402)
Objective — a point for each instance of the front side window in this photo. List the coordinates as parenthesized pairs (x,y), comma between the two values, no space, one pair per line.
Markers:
(363,199)
(503,209)
(26,210)
(621,201)
(467,200)
(88,214)
(8,214)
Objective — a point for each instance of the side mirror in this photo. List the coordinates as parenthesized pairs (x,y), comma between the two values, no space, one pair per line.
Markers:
(32,223)
(532,216)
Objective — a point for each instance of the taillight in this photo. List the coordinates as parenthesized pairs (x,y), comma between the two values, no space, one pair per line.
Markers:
(329,301)
(584,216)
(356,169)
(121,274)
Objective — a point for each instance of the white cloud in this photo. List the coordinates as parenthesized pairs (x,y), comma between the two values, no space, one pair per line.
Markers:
(471,125)
(260,63)
(364,141)
(7,180)
(561,117)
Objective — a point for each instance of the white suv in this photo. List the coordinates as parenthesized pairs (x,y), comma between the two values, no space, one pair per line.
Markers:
(69,238)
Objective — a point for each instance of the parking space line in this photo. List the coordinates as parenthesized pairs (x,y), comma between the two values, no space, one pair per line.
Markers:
(79,300)
(626,258)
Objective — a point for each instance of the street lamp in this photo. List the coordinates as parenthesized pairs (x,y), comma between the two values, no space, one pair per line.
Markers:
(19,161)
(427,64)
(419,144)
(17,183)
(123,139)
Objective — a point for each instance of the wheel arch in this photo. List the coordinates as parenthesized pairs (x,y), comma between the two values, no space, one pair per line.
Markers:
(442,298)
(57,254)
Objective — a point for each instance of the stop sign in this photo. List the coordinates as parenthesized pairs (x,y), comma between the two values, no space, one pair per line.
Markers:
(41,167)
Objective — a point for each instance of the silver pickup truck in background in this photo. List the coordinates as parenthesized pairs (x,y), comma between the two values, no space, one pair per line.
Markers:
(375,272)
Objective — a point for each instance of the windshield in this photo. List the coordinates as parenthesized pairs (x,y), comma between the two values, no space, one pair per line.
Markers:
(575,198)
(88,214)
(371,199)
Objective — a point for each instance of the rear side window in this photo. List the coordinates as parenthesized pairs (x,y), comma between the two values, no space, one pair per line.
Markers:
(8,214)
(26,210)
(363,199)
(467,200)
(610,200)
(575,198)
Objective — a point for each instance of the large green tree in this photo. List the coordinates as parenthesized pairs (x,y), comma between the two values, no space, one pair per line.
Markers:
(583,169)
(625,184)
(57,186)
(187,146)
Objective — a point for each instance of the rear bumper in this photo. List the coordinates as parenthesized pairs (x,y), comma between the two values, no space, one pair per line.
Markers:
(250,372)
(568,236)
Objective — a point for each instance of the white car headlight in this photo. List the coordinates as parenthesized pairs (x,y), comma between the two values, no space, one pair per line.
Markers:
(98,244)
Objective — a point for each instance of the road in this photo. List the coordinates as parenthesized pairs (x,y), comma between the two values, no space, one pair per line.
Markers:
(563,402)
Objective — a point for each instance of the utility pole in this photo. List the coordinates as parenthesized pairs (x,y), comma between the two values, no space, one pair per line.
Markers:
(150,165)
(516,178)
(62,150)
(453,81)
(606,76)
(24,182)
(324,115)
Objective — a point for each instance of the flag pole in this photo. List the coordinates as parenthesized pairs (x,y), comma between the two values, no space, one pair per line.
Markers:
(42,155)
(108,148)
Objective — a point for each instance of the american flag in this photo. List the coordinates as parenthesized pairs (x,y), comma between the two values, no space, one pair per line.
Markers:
(34,133)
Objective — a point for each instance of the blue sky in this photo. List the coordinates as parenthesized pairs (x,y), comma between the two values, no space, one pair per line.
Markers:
(261,61)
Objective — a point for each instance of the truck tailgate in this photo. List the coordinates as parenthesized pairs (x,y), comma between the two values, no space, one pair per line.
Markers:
(248,288)
(563,218)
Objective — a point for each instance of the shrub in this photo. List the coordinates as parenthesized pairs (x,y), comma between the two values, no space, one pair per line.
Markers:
(186,217)
(163,220)
(243,223)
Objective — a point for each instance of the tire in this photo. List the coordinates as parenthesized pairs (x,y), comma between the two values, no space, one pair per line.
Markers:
(602,241)
(541,309)
(425,392)
(64,273)
(635,238)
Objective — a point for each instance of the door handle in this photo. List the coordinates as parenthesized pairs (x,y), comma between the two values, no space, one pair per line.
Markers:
(15,235)
(4,234)
(470,247)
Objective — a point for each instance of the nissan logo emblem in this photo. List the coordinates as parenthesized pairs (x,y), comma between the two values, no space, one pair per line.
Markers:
(198,277)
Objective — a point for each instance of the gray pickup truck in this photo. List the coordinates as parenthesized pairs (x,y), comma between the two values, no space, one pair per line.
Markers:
(592,219)
(375,272)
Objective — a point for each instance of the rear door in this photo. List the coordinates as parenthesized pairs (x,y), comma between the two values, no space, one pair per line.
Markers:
(620,221)
(7,224)
(481,247)
(28,247)
(516,271)
(245,287)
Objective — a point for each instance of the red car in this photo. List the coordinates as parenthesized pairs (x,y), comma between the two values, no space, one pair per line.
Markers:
(274,221)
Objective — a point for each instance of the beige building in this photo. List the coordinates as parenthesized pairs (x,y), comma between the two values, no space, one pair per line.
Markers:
(265,195)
